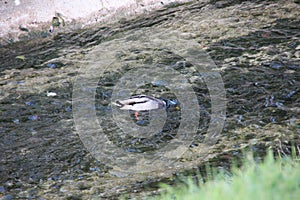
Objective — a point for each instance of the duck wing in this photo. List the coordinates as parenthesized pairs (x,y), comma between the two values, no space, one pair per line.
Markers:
(133,100)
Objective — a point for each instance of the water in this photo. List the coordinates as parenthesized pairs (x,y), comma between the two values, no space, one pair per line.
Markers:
(39,145)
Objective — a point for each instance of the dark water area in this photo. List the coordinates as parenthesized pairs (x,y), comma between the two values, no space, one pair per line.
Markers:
(256,50)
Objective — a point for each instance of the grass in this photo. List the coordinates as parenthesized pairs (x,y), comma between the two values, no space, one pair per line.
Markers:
(271,179)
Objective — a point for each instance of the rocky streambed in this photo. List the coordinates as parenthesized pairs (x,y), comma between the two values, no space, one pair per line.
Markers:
(252,48)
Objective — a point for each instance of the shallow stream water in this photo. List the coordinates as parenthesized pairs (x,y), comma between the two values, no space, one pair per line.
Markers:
(234,65)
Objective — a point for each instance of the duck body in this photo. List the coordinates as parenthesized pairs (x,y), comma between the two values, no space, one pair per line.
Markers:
(141,103)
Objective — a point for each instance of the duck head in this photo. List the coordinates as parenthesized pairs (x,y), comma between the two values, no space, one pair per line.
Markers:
(172,104)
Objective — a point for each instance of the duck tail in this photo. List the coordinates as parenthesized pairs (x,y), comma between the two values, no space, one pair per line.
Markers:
(118,103)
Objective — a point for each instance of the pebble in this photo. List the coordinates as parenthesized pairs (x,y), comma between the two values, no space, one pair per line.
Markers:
(51,65)
(16,121)
(51,94)
(159,83)
(33,117)
(28,103)
(276,65)
(20,82)
(2,189)
(294,67)
(7,197)
(68,109)
(290,94)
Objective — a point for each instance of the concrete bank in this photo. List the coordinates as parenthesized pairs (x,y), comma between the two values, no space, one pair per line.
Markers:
(21,19)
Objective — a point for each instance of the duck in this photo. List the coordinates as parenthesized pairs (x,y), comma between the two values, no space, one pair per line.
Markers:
(145,103)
